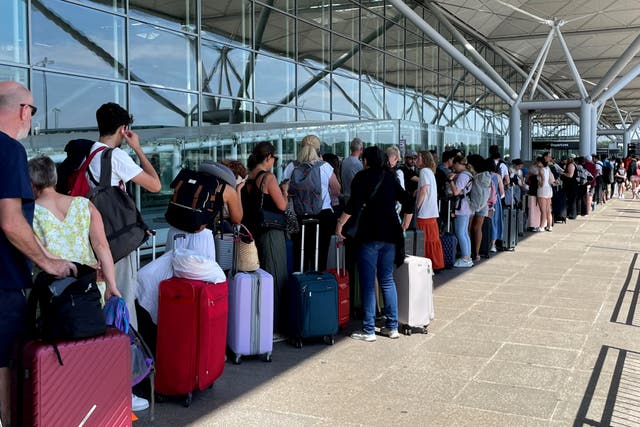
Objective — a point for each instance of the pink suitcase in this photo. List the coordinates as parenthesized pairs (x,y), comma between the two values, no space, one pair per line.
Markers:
(533,219)
(91,388)
(192,332)
(250,328)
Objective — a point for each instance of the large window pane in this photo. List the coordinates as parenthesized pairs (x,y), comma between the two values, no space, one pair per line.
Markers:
(13,31)
(274,79)
(371,29)
(345,95)
(313,45)
(316,96)
(16,74)
(224,70)
(284,5)
(227,20)
(175,14)
(394,101)
(346,20)
(77,39)
(274,113)
(345,56)
(313,116)
(372,104)
(317,11)
(161,57)
(112,5)
(217,110)
(394,73)
(66,102)
(372,63)
(275,32)
(157,107)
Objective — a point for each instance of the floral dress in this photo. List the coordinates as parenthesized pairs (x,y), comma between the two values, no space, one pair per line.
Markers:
(69,238)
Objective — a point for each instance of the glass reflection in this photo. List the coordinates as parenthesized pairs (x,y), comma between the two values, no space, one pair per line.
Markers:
(159,107)
(95,39)
(270,89)
(346,19)
(394,103)
(13,31)
(174,14)
(218,110)
(16,74)
(345,56)
(372,103)
(224,70)
(372,63)
(345,95)
(274,113)
(372,24)
(161,57)
(227,20)
(316,95)
(313,44)
(66,102)
(112,5)
(316,11)
(275,32)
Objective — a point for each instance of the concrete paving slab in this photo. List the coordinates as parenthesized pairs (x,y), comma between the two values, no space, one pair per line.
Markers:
(537,355)
(556,339)
(524,375)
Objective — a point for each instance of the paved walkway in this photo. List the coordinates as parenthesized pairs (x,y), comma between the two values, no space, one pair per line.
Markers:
(547,335)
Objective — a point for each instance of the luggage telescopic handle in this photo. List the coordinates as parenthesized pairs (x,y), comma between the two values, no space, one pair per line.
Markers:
(303,226)
(340,244)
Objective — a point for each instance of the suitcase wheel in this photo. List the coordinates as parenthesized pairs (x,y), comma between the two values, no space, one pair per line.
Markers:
(187,400)
(329,340)
(267,357)
(296,342)
(406,330)
(237,359)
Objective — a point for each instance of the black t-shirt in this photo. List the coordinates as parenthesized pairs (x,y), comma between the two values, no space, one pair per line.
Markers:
(410,185)
(441,180)
(15,268)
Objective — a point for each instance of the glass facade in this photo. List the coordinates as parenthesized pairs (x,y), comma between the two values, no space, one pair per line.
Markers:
(191,71)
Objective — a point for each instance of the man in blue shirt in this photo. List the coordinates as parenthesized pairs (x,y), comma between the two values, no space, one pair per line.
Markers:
(18,244)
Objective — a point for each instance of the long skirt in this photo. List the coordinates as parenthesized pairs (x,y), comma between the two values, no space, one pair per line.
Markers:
(432,243)
(271,252)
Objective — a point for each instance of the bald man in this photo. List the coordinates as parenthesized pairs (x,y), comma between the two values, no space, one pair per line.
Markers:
(18,244)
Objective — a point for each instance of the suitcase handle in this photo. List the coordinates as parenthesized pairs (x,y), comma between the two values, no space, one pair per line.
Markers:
(305,222)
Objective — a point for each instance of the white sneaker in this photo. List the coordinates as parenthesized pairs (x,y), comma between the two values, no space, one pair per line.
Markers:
(362,336)
(493,248)
(138,403)
(391,333)
(463,263)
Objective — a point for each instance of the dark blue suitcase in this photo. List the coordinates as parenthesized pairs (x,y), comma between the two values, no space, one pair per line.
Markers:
(449,240)
(313,301)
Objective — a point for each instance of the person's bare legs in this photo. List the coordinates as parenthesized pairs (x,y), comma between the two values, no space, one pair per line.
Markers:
(549,214)
(5,396)
(542,205)
(475,230)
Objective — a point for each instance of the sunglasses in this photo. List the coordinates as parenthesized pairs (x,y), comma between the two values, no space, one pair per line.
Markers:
(34,109)
(275,159)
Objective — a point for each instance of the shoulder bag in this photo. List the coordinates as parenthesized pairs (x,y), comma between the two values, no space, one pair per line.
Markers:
(270,220)
(350,229)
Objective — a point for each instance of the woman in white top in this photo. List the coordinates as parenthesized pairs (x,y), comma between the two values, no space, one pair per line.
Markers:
(545,192)
(427,211)
(309,152)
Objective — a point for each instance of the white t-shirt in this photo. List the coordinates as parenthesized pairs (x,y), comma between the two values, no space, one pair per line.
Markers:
(400,176)
(429,206)
(123,168)
(326,170)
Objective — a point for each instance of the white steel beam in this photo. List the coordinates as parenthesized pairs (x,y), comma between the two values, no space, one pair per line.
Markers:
(546,45)
(451,50)
(572,66)
(617,67)
(618,85)
(484,65)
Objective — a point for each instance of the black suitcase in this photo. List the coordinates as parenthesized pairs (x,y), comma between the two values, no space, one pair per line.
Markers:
(559,205)
(509,228)
(449,240)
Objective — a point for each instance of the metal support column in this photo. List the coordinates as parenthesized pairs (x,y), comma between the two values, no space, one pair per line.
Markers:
(514,132)
(585,129)
(626,139)
(525,139)
(594,128)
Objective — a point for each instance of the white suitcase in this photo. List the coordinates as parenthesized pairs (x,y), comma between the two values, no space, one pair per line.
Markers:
(414,284)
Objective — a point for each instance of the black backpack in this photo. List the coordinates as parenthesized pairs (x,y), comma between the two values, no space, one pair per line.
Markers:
(197,199)
(66,309)
(123,224)
(77,150)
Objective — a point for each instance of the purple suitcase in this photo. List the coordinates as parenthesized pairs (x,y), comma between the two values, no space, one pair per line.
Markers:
(250,328)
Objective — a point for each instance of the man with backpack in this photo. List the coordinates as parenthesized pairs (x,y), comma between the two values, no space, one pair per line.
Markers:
(18,244)
(113,124)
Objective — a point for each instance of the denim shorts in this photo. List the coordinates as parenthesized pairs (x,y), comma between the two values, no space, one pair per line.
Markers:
(13,306)
(482,212)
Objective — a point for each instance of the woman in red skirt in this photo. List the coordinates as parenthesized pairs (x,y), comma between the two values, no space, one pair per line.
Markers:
(427,211)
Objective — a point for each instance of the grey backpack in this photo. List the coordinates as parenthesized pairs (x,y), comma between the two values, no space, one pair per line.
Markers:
(479,191)
(305,188)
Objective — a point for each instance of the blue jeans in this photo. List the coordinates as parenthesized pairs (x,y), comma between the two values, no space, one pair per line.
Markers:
(462,233)
(372,257)
(496,222)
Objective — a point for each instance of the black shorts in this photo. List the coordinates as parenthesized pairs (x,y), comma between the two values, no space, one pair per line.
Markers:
(13,306)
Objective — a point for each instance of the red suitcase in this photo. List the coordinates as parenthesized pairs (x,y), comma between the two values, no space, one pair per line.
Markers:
(343,285)
(91,388)
(192,335)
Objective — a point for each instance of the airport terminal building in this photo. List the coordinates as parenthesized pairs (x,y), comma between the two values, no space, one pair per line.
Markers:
(206,79)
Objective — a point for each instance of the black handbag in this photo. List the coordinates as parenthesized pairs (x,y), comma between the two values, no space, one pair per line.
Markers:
(270,220)
(350,228)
